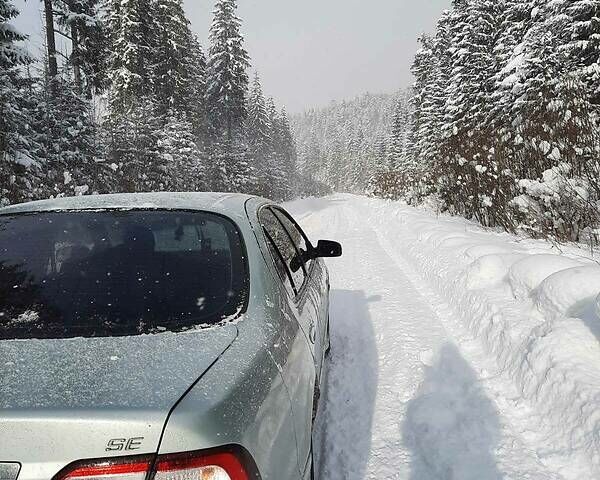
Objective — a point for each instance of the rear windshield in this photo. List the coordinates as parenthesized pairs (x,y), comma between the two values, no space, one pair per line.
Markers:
(117,273)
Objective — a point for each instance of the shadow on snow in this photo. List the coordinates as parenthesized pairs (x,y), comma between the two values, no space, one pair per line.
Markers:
(451,427)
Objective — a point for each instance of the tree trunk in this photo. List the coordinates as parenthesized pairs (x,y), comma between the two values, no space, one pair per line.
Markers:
(50,40)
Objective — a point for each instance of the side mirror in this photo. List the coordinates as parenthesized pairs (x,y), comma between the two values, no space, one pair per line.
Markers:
(328,249)
(324,249)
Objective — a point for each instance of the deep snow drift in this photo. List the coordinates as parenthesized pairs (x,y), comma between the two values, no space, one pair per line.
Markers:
(458,353)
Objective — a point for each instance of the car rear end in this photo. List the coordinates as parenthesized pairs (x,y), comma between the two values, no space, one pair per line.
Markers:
(109,319)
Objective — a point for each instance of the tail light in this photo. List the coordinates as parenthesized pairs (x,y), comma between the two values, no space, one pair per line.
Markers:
(126,468)
(229,464)
(218,466)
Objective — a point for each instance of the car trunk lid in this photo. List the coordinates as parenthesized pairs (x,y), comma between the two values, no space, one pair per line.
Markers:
(70,399)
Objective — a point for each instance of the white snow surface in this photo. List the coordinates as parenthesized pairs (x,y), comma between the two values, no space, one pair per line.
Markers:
(458,353)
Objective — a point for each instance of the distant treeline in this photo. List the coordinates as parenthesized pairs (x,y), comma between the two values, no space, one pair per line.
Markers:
(349,145)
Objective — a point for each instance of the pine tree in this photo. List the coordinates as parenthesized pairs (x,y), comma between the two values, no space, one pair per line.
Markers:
(258,121)
(132,27)
(194,92)
(171,59)
(134,123)
(84,25)
(231,167)
(285,149)
(581,46)
(473,28)
(259,133)
(280,166)
(133,150)
(67,140)
(554,105)
(397,140)
(16,160)
(428,112)
(186,168)
(515,22)
(227,84)
(516,142)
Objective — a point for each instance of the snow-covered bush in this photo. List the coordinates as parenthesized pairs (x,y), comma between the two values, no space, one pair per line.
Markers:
(559,204)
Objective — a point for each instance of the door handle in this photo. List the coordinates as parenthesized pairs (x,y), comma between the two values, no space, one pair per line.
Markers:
(312,333)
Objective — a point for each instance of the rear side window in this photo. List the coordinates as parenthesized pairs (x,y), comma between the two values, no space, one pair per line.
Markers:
(298,236)
(282,249)
(117,273)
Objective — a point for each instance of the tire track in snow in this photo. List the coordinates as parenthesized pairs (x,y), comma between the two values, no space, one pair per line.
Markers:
(400,331)
(517,458)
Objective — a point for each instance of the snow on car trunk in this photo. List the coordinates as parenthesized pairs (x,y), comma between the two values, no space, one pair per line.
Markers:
(57,391)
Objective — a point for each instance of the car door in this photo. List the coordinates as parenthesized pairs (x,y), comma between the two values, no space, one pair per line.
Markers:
(300,374)
(315,289)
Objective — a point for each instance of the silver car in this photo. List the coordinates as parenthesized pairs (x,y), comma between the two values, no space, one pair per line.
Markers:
(159,336)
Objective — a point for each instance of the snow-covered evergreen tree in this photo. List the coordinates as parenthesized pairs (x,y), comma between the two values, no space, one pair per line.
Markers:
(84,25)
(172,55)
(133,150)
(132,104)
(133,26)
(186,167)
(271,145)
(519,109)
(136,114)
(231,167)
(581,31)
(281,167)
(399,138)
(259,134)
(426,123)
(194,91)
(285,152)
(227,78)
(66,139)
(16,158)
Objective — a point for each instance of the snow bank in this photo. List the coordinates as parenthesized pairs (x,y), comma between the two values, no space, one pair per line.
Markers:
(527,274)
(571,292)
(536,314)
(490,270)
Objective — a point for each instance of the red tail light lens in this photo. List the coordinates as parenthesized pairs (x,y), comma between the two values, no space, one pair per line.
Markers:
(220,465)
(133,468)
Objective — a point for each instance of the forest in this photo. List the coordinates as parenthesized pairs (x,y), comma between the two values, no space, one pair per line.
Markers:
(502,124)
(505,125)
(136,104)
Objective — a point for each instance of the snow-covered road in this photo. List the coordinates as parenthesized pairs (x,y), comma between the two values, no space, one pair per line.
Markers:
(431,377)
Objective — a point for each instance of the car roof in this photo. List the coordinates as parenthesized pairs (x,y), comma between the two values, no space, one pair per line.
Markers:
(223,203)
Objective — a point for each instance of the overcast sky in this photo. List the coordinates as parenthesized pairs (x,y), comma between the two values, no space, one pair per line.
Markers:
(309,52)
